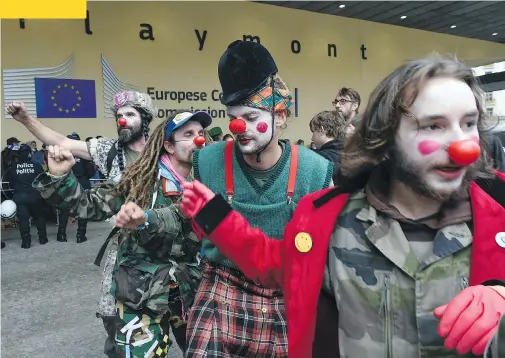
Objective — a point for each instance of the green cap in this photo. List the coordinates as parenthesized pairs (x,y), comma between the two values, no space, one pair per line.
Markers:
(215,132)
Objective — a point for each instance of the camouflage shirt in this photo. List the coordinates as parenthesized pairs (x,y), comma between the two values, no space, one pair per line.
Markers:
(496,346)
(384,292)
(149,261)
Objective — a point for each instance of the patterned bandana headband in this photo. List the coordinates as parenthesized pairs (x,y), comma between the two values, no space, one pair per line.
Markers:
(134,99)
(262,99)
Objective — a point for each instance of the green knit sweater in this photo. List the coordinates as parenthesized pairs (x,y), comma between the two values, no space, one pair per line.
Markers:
(264,206)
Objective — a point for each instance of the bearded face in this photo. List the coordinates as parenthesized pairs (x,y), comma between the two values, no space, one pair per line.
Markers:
(133,129)
(444,111)
(259,128)
(345,106)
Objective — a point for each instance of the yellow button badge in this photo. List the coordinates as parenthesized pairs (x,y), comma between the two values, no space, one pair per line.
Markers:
(303,242)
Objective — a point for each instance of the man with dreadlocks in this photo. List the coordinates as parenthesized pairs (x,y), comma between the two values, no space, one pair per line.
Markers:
(405,257)
(263,178)
(111,156)
(158,255)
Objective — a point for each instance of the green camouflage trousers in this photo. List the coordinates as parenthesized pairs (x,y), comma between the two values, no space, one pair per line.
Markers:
(115,344)
(141,335)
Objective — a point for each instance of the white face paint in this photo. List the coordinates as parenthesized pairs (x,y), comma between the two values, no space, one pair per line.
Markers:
(444,111)
(183,147)
(259,128)
(133,129)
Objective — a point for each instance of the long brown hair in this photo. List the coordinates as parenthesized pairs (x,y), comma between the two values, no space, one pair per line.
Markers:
(139,178)
(375,134)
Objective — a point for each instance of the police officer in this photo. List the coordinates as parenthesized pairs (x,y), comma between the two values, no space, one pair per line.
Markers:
(28,200)
(83,170)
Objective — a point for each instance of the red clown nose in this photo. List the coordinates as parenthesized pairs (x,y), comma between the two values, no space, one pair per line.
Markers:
(464,152)
(199,141)
(237,126)
(121,122)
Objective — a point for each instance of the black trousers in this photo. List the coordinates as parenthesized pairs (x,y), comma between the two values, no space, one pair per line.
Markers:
(25,210)
(63,222)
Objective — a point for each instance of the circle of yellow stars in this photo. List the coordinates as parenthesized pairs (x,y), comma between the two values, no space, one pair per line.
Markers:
(60,108)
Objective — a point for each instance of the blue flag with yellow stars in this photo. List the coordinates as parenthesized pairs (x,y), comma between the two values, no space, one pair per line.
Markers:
(65,98)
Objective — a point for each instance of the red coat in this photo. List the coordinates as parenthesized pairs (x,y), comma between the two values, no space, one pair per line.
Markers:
(274,263)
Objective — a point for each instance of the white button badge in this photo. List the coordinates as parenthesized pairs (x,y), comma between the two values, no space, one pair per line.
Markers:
(500,239)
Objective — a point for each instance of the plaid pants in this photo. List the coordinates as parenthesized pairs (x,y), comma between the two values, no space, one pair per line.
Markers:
(233,317)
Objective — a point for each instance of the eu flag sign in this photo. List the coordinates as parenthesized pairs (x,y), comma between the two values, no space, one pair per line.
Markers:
(65,98)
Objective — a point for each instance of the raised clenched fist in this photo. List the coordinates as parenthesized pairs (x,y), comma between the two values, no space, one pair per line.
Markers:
(194,197)
(130,216)
(59,160)
(18,111)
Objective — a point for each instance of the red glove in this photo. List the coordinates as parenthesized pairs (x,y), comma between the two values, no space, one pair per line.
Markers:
(470,319)
(194,197)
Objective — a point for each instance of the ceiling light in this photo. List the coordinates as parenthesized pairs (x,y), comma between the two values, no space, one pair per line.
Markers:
(453,26)
(495,33)
(403,17)
(342,6)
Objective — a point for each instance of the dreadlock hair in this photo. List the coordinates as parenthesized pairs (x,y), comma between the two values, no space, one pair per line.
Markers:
(140,177)
(208,138)
(146,119)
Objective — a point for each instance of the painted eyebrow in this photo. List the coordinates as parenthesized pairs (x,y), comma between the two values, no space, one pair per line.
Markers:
(245,114)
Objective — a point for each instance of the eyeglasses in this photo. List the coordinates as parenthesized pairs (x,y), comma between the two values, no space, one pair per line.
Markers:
(342,101)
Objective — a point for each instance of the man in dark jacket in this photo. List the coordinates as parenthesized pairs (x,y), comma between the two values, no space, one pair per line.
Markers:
(83,170)
(8,154)
(21,175)
(497,152)
(329,129)
(37,155)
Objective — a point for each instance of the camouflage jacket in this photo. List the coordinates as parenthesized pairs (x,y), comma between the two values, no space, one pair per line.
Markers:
(496,346)
(384,293)
(150,261)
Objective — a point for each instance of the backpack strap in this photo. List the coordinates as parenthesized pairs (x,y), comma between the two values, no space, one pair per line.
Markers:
(99,257)
(110,157)
(494,187)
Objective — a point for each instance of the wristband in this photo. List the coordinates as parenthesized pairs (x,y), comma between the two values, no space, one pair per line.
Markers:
(146,224)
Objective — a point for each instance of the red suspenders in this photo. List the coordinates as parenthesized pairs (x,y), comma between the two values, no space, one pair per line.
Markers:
(228,170)
(228,160)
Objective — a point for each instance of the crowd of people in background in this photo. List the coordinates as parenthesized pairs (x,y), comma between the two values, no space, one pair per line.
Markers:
(21,163)
(330,128)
